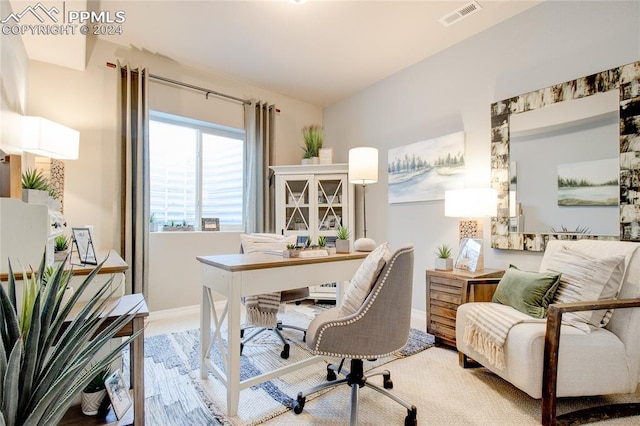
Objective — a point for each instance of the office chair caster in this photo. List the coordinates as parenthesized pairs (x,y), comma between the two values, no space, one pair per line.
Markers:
(387,383)
(331,375)
(412,417)
(285,352)
(298,404)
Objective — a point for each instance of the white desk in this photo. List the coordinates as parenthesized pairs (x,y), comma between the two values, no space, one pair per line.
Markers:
(238,275)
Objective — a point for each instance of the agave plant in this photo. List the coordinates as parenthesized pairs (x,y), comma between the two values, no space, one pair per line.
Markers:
(34,179)
(45,363)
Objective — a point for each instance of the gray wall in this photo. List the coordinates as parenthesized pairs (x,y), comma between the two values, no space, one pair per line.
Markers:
(453,90)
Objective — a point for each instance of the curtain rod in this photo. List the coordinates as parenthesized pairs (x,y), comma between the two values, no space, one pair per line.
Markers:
(191,86)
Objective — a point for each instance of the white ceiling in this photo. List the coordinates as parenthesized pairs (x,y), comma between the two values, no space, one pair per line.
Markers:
(318,52)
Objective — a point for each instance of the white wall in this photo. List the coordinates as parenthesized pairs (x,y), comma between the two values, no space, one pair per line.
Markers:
(87,101)
(453,90)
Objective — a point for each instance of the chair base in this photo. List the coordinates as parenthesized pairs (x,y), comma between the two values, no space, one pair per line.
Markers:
(357,378)
(277,330)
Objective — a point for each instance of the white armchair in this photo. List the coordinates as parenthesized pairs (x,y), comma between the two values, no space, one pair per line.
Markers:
(603,361)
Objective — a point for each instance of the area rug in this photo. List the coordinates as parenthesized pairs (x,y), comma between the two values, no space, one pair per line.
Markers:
(175,394)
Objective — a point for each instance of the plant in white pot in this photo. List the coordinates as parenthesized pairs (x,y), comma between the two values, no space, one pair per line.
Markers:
(313,139)
(60,247)
(94,395)
(444,261)
(35,187)
(343,245)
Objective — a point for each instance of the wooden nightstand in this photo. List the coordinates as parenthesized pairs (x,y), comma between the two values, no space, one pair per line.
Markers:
(446,290)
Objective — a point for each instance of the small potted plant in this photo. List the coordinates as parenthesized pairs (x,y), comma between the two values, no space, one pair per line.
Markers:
(60,247)
(342,243)
(95,393)
(35,187)
(313,139)
(444,262)
(291,251)
(322,244)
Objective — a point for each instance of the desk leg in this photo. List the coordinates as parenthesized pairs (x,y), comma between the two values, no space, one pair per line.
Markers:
(137,372)
(233,351)
(205,332)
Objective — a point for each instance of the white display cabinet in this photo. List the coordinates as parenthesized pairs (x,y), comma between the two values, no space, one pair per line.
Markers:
(313,201)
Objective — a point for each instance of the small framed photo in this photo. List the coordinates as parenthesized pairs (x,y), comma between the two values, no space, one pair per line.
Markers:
(118,393)
(326,155)
(84,244)
(470,250)
(210,224)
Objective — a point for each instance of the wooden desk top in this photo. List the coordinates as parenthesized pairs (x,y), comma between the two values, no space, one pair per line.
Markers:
(114,265)
(250,261)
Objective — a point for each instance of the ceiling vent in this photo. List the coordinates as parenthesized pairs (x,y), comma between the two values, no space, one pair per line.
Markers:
(460,13)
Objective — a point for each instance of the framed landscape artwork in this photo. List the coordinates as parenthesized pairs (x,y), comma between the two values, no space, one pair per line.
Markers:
(423,171)
(588,183)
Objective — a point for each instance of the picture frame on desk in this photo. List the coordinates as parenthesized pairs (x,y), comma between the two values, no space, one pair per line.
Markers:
(84,245)
(118,394)
(210,224)
(469,254)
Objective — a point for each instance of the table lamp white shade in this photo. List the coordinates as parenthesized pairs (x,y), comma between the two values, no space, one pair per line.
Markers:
(472,204)
(48,139)
(363,165)
(363,170)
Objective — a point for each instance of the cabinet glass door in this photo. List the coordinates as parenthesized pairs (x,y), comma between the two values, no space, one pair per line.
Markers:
(297,194)
(331,194)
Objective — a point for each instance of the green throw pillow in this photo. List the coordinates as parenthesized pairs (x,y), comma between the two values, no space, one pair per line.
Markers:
(528,292)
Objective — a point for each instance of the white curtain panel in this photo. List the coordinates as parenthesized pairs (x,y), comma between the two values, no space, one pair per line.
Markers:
(134,202)
(259,123)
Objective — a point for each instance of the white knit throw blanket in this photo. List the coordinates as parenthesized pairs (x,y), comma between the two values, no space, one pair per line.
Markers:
(262,309)
(486,330)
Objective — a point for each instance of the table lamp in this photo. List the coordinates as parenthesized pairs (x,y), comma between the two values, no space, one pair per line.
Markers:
(472,204)
(363,170)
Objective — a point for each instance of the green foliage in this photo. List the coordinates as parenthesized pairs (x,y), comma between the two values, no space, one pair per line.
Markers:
(41,380)
(443,251)
(342,233)
(313,139)
(291,246)
(322,241)
(61,243)
(97,383)
(34,179)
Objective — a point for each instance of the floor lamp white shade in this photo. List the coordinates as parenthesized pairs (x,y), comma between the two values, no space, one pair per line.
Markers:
(49,139)
(363,170)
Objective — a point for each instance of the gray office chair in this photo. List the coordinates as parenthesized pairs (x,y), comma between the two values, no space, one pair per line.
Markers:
(278,242)
(377,329)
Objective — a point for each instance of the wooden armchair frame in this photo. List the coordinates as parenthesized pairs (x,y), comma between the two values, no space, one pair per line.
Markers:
(550,370)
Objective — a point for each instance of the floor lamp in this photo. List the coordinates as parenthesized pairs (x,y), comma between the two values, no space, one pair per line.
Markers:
(363,170)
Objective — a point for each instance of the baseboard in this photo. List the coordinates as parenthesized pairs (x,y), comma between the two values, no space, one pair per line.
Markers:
(174,312)
(417,316)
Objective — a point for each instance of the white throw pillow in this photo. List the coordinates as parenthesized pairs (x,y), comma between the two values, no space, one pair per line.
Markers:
(586,278)
(364,278)
(252,243)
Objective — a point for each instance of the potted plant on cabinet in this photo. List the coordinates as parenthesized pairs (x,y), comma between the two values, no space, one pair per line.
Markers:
(444,262)
(35,187)
(46,368)
(342,243)
(60,247)
(313,139)
(94,394)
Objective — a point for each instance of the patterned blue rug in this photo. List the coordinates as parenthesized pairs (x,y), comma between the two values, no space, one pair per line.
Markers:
(175,394)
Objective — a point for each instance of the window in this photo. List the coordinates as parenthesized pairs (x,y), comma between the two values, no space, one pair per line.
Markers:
(196,170)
